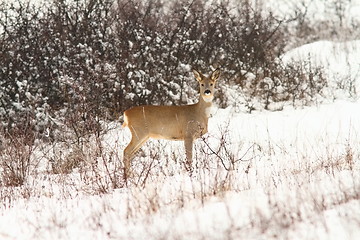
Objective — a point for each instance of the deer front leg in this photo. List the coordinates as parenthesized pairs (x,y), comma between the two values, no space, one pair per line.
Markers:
(188,150)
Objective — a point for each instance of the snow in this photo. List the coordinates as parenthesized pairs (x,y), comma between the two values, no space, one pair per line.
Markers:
(294,175)
(298,185)
(339,60)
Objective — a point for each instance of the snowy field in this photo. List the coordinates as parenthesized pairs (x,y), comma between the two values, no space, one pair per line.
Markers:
(291,174)
(297,179)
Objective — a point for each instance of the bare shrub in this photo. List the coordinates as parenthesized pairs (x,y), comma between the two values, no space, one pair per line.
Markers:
(102,169)
(67,163)
(16,157)
(301,82)
(337,23)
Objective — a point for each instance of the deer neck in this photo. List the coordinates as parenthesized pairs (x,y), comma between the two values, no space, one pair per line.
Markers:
(204,107)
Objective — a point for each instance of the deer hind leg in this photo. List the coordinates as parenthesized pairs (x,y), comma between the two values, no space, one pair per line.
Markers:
(134,145)
(188,150)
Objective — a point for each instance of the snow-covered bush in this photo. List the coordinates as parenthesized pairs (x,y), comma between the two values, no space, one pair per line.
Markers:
(54,62)
(74,63)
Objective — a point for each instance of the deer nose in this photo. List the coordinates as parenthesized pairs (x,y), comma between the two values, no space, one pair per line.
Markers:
(207,92)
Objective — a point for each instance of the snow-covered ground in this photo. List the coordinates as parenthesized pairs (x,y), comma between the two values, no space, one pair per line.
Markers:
(290,174)
(296,178)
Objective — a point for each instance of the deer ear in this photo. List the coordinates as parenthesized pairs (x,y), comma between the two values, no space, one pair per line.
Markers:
(197,75)
(216,74)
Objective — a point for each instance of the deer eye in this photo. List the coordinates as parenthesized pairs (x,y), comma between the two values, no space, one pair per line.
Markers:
(211,84)
(202,84)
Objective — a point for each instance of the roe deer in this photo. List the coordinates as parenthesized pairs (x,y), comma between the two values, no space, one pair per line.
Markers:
(185,123)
